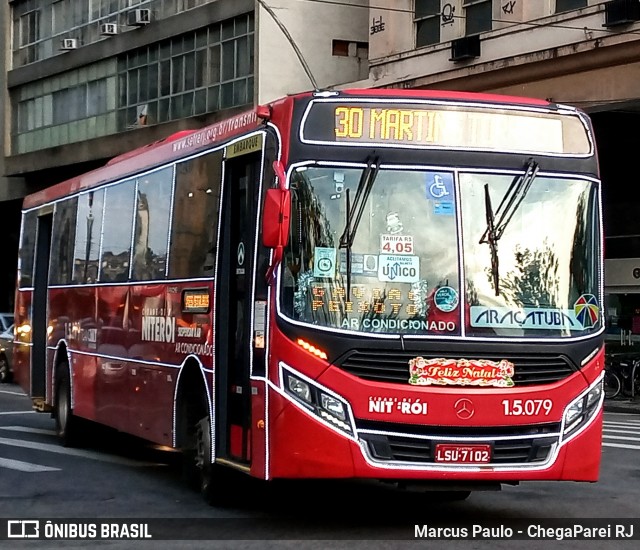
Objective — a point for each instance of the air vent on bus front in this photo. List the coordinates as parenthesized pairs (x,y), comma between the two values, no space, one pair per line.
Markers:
(393,366)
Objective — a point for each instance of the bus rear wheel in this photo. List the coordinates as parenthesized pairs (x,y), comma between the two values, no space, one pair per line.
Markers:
(67,424)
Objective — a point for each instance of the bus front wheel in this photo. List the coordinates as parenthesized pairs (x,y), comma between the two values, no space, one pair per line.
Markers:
(214,484)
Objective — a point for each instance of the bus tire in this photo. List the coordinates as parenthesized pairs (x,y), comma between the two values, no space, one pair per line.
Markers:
(67,424)
(214,482)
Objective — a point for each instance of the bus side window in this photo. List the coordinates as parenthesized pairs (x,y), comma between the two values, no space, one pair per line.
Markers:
(87,237)
(151,233)
(27,249)
(62,244)
(117,231)
(194,230)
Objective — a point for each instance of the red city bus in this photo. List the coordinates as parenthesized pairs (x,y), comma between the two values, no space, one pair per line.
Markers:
(395,285)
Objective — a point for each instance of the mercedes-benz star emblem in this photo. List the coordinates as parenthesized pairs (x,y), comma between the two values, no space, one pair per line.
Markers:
(464,408)
(240,253)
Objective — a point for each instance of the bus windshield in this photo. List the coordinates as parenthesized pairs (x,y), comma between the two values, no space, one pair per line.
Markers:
(401,268)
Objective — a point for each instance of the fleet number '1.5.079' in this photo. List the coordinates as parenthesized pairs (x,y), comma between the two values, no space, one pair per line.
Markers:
(527,407)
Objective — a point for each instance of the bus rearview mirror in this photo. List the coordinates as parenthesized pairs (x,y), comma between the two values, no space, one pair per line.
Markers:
(275,219)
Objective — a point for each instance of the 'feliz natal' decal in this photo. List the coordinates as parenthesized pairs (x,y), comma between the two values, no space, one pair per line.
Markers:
(460,372)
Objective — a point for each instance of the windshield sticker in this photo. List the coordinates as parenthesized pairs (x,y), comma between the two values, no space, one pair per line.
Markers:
(398,268)
(444,208)
(418,295)
(394,225)
(324,262)
(361,264)
(587,310)
(460,372)
(396,244)
(446,299)
(439,185)
(532,317)
(370,264)
(300,296)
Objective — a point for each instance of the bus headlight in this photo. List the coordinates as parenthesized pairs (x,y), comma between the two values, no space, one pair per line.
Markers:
(332,405)
(317,400)
(582,409)
(299,389)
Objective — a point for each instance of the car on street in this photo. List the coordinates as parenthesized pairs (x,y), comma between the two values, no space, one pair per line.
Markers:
(6,321)
(6,347)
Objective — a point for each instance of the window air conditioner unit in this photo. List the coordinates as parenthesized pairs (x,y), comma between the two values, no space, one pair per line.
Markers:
(69,44)
(109,29)
(621,12)
(466,47)
(138,18)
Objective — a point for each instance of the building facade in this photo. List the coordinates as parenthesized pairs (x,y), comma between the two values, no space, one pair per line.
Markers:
(88,80)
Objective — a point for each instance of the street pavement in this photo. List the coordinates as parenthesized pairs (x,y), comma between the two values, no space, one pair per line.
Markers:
(623,405)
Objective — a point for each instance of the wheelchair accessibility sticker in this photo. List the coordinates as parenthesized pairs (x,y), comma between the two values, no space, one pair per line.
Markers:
(440,191)
(440,185)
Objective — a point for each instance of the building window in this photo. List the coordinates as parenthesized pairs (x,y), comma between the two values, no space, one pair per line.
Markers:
(477,16)
(102,8)
(80,102)
(60,12)
(346,48)
(568,5)
(29,28)
(427,20)
(66,105)
(188,75)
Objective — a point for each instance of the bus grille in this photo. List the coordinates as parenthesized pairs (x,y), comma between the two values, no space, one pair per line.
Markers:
(393,366)
(528,445)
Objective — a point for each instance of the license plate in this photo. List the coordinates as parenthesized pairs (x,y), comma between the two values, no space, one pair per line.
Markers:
(463,454)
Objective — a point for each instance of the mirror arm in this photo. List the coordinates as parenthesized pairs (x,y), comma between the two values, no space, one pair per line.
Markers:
(276,259)
(279,170)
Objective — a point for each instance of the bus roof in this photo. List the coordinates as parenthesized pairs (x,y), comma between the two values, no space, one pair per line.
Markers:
(447,95)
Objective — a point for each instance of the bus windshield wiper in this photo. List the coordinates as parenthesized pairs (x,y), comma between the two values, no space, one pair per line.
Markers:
(354,211)
(497,223)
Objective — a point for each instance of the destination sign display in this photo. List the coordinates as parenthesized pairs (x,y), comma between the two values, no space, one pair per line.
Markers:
(195,300)
(444,126)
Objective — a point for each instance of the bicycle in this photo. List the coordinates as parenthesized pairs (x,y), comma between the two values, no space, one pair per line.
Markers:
(612,383)
(622,376)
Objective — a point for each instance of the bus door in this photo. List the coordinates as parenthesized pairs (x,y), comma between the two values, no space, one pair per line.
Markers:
(39,307)
(234,288)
